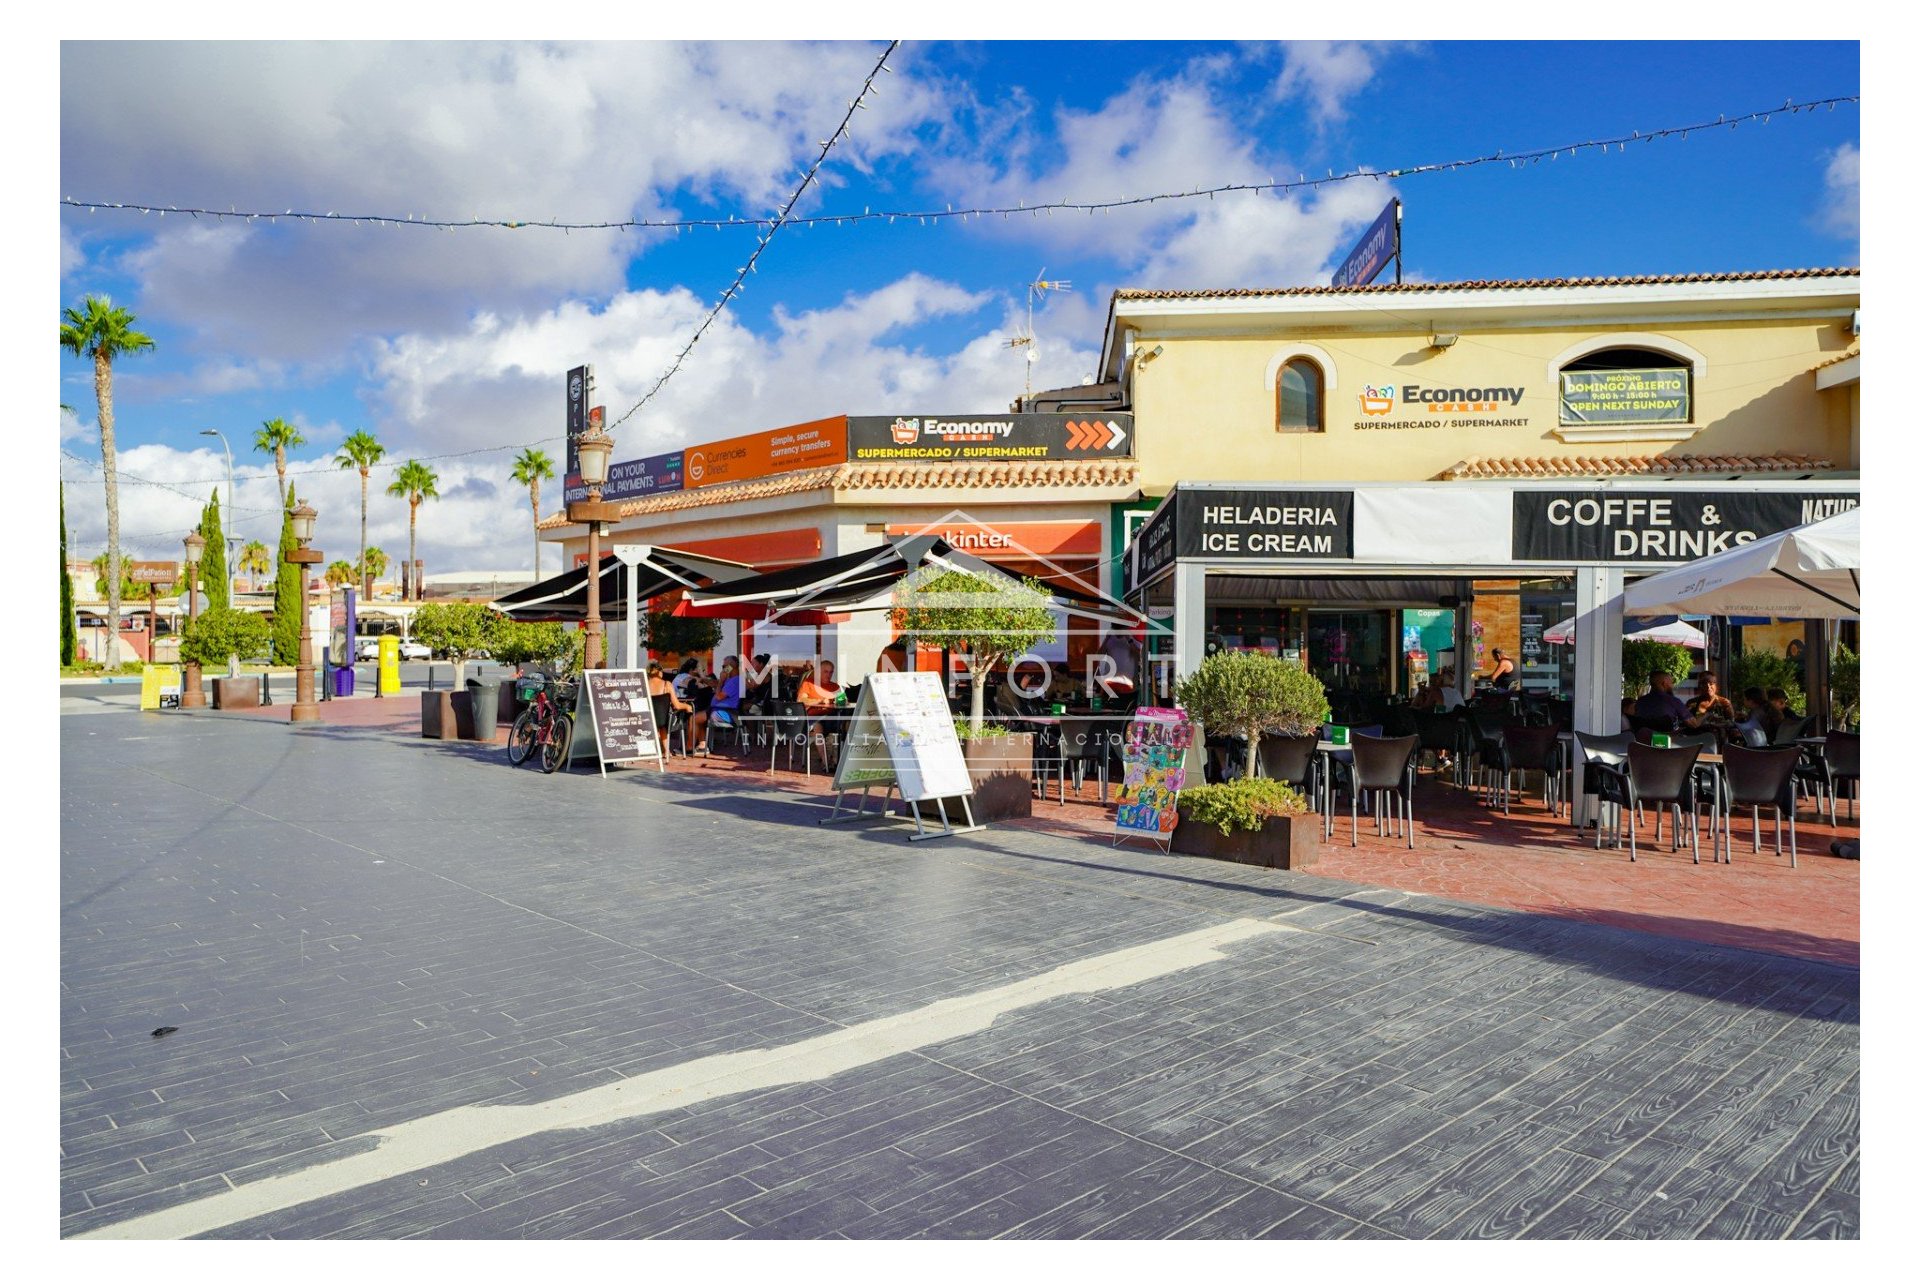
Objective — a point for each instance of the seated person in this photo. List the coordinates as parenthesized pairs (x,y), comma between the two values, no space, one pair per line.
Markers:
(1777,699)
(725,709)
(817,691)
(690,687)
(1660,701)
(1626,709)
(1761,719)
(1430,696)
(658,686)
(1709,707)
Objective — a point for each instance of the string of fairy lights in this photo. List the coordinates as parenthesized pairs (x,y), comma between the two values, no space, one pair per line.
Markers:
(784,217)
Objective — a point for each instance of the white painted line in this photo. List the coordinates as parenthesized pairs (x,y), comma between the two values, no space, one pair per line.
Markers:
(436,1139)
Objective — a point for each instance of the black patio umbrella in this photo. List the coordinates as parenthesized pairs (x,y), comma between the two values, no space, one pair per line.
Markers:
(563,598)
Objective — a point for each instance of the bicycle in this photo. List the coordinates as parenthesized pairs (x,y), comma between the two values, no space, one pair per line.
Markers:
(545,726)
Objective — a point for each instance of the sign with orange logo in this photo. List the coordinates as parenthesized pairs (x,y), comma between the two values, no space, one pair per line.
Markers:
(767,453)
(1006,437)
(998,541)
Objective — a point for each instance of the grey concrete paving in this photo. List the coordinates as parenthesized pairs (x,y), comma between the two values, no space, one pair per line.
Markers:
(354,931)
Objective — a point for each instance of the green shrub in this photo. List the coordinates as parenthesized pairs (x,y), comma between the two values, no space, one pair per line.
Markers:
(965,729)
(1768,669)
(1843,677)
(521,644)
(680,636)
(1247,694)
(1244,804)
(219,634)
(1641,660)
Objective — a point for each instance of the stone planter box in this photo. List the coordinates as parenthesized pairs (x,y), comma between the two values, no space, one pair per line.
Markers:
(1287,844)
(1002,770)
(446,715)
(232,693)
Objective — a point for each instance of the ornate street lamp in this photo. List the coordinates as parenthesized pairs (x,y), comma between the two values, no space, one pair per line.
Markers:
(191,695)
(304,707)
(596,448)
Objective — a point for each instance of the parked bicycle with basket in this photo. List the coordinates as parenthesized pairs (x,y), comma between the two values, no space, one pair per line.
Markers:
(546,726)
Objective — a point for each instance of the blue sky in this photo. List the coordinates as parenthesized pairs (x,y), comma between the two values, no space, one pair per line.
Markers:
(447,343)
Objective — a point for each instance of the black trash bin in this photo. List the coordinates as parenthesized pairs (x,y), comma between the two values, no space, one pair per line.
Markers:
(484,693)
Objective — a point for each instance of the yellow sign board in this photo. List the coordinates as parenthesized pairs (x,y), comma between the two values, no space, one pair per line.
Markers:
(389,664)
(159,686)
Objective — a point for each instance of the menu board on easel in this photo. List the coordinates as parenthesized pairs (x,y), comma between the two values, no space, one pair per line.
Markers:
(1155,753)
(620,717)
(902,736)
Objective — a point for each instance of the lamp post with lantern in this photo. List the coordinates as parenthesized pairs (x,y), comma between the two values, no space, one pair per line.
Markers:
(191,694)
(596,448)
(304,707)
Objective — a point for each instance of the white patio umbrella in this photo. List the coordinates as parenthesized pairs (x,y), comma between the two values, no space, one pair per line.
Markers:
(1673,632)
(1809,572)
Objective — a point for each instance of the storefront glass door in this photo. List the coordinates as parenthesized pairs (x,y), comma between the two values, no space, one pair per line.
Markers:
(1352,651)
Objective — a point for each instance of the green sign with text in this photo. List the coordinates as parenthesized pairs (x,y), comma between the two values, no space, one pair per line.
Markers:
(1605,396)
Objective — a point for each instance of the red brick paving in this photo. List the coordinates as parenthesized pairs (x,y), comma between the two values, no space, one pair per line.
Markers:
(1525,861)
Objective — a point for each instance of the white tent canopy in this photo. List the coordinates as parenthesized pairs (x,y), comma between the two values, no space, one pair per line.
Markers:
(1809,572)
(1674,632)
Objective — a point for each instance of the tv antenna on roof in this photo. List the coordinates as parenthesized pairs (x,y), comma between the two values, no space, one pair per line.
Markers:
(1039,286)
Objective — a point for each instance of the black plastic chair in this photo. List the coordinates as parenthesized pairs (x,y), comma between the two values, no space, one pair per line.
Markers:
(1762,776)
(1791,729)
(1382,770)
(667,722)
(1523,747)
(1292,761)
(1842,757)
(1047,758)
(1440,733)
(788,721)
(1084,745)
(1662,776)
(1603,774)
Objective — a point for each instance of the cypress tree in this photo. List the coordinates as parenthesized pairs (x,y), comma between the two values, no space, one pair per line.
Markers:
(286,593)
(214,579)
(69,638)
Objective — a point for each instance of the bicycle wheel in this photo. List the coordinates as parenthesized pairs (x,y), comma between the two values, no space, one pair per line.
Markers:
(523,739)
(553,752)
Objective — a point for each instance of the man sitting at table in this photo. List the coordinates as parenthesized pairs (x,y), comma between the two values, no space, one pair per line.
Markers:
(818,690)
(1709,708)
(1660,700)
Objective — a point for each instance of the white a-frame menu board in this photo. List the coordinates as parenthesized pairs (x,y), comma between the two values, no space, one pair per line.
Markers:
(902,737)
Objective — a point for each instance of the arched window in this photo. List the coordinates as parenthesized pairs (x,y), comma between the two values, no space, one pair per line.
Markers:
(1626,385)
(1298,395)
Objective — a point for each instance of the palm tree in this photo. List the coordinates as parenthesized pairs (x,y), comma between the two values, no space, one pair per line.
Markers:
(530,468)
(100,331)
(360,450)
(414,481)
(276,436)
(375,565)
(253,562)
(340,574)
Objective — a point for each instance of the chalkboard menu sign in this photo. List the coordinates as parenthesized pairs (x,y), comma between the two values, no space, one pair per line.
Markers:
(620,713)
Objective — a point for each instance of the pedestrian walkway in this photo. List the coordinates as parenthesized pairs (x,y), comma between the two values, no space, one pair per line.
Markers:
(646,1006)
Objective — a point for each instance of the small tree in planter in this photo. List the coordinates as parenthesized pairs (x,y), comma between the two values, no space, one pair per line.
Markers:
(1239,693)
(1843,679)
(456,631)
(990,618)
(222,634)
(667,634)
(541,644)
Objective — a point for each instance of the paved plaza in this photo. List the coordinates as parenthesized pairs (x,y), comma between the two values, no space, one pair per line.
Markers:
(419,993)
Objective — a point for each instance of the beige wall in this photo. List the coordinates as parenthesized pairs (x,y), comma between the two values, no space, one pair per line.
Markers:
(1205,410)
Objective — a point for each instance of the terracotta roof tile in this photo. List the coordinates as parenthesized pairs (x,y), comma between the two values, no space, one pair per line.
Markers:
(1842,358)
(1650,465)
(1094,473)
(1568,282)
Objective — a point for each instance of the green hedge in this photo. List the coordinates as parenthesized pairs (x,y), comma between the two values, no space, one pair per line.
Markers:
(1244,804)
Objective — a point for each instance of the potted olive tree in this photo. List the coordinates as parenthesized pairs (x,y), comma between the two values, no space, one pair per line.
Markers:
(215,638)
(1258,820)
(990,619)
(460,633)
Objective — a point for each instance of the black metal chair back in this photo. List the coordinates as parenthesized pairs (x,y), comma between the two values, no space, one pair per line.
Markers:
(1789,731)
(1843,755)
(1531,746)
(1759,775)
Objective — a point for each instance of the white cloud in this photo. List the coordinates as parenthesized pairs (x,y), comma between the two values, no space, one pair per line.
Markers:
(1840,209)
(601,131)
(1327,73)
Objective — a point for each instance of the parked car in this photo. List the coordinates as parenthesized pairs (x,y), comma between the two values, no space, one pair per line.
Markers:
(367,649)
(414,651)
